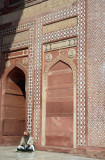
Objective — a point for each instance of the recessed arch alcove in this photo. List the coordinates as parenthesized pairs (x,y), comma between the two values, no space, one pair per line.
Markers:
(14,106)
(59,104)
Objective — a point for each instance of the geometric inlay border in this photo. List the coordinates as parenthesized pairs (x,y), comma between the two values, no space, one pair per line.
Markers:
(81,128)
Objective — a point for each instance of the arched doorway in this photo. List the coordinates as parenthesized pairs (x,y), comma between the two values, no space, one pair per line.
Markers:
(59,106)
(13,109)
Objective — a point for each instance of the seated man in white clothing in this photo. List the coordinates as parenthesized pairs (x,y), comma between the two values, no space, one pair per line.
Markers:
(26,143)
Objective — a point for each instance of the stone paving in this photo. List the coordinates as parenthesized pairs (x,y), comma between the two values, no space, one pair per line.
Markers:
(9,153)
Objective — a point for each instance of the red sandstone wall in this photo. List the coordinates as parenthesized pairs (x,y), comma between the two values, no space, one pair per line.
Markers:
(96,73)
(90,130)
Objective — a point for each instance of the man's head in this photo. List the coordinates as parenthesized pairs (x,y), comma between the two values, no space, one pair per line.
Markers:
(25,133)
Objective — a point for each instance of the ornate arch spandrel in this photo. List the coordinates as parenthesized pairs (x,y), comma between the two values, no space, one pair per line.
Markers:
(69,62)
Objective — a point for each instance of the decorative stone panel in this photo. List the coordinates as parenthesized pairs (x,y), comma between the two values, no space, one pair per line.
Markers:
(60,44)
(55,36)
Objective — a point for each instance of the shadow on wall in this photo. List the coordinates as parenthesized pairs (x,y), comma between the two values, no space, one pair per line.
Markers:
(10,15)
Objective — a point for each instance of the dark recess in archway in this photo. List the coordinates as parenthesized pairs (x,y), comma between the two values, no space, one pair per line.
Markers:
(18,77)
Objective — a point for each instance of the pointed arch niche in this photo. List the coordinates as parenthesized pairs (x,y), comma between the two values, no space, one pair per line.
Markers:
(59,104)
(14,105)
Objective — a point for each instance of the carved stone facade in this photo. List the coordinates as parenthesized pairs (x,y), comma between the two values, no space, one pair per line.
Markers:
(51,46)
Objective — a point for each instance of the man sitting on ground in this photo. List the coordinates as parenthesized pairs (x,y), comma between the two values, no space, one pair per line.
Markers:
(26,143)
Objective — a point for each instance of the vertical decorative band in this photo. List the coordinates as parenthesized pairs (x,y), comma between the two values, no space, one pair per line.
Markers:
(30,78)
(36,128)
(81,75)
